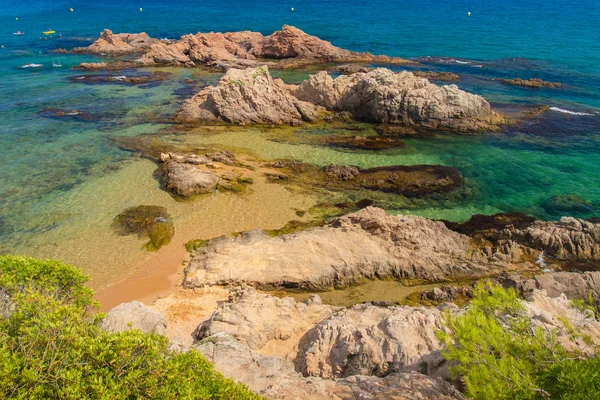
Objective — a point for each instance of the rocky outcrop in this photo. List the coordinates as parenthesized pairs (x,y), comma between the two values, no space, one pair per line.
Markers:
(291,46)
(275,378)
(118,44)
(558,314)
(383,96)
(253,96)
(134,315)
(531,83)
(191,174)
(569,238)
(187,179)
(573,284)
(254,319)
(247,96)
(370,340)
(365,244)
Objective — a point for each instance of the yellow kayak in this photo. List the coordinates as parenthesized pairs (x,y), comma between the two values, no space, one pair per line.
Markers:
(51,32)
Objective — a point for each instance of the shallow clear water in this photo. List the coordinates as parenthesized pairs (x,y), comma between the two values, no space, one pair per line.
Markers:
(59,173)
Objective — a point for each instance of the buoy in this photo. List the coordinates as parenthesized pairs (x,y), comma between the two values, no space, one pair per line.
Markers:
(140,9)
(292,8)
(469,13)
(71,9)
(17,18)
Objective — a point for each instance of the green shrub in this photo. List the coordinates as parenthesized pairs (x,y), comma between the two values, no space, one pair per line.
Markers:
(499,354)
(52,346)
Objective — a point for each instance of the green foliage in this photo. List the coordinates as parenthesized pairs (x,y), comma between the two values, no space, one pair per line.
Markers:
(52,346)
(195,244)
(499,354)
(259,71)
(236,82)
(587,305)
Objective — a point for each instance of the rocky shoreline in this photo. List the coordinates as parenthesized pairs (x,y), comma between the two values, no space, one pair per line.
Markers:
(285,349)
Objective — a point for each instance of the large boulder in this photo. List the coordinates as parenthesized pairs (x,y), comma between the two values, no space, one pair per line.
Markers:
(254,319)
(135,315)
(188,179)
(574,285)
(247,96)
(370,340)
(383,96)
(365,244)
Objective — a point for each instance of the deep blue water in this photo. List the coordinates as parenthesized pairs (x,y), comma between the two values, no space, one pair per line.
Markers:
(516,170)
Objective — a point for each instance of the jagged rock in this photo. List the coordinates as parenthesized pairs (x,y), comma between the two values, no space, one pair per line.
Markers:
(275,378)
(187,179)
(531,83)
(573,284)
(565,239)
(446,293)
(552,312)
(247,96)
(341,173)
(365,244)
(404,99)
(290,45)
(370,340)
(254,319)
(349,69)
(135,315)
(118,44)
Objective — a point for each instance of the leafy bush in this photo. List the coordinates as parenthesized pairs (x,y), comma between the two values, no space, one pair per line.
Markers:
(499,354)
(52,346)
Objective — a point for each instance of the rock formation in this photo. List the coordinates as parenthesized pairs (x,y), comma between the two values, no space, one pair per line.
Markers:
(381,96)
(573,284)
(118,44)
(370,340)
(247,96)
(134,315)
(190,174)
(365,244)
(290,46)
(407,180)
(275,378)
(255,319)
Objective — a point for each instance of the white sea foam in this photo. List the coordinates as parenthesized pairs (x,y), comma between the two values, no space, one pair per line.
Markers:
(562,110)
(461,62)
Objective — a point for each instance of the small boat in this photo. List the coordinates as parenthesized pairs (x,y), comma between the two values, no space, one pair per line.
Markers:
(58,64)
(32,65)
(49,32)
(18,33)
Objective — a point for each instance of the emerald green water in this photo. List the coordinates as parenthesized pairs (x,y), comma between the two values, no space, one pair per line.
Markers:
(59,173)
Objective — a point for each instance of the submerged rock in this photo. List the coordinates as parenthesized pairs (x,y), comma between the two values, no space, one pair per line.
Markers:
(410,181)
(72,114)
(568,203)
(437,76)
(531,83)
(120,79)
(152,222)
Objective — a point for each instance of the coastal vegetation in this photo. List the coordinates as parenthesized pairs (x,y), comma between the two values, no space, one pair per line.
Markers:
(500,354)
(52,345)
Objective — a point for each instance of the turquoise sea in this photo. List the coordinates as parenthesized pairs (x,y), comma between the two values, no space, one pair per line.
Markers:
(48,164)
